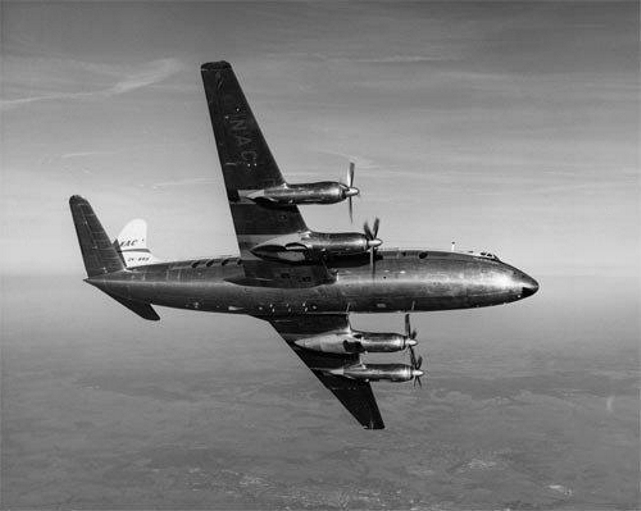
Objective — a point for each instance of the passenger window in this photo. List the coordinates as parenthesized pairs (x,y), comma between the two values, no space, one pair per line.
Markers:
(422,255)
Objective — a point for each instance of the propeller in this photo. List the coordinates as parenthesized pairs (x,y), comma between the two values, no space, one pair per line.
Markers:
(409,333)
(416,363)
(372,242)
(416,369)
(349,191)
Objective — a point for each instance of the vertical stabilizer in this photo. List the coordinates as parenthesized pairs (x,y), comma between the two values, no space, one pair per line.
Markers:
(98,253)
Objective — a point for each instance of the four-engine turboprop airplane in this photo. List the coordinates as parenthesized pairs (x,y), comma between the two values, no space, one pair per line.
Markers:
(303,282)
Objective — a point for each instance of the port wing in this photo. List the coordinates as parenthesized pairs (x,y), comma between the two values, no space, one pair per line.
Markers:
(247,164)
(356,396)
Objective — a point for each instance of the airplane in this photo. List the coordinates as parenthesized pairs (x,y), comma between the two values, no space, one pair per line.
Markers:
(305,283)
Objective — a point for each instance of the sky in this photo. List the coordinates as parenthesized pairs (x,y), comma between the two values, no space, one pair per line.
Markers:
(508,127)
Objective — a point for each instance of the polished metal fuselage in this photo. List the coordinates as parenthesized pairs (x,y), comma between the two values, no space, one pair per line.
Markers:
(409,280)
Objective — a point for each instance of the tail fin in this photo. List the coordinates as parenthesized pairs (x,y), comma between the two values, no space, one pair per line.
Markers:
(131,244)
(99,254)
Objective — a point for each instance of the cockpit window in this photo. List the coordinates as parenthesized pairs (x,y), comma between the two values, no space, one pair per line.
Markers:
(489,255)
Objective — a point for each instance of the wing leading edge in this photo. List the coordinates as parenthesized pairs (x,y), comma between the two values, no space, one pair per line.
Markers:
(245,159)
(248,164)
(356,396)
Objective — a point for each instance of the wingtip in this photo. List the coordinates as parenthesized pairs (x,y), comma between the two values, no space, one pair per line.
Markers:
(75,199)
(374,425)
(211,66)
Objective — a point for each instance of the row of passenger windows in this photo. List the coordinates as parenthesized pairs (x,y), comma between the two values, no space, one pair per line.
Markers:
(210,262)
(231,260)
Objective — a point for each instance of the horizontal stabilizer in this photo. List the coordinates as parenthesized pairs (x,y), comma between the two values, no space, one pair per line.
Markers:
(144,310)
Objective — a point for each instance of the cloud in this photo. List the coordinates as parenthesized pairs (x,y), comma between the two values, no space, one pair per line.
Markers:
(185,182)
(400,59)
(83,154)
(153,72)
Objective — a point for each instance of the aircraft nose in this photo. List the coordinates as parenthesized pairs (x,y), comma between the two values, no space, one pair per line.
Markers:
(529,286)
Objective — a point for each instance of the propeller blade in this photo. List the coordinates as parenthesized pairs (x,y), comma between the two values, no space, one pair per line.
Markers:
(419,362)
(418,379)
(377,223)
(413,334)
(412,357)
(372,264)
(351,210)
(407,326)
(368,232)
(350,174)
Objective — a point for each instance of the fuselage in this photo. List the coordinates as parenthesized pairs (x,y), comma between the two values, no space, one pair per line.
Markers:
(404,280)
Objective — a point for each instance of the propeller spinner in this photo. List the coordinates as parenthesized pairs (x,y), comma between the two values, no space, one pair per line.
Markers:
(349,191)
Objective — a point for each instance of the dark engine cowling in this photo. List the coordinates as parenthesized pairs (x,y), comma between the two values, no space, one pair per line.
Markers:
(357,342)
(377,372)
(312,245)
(324,192)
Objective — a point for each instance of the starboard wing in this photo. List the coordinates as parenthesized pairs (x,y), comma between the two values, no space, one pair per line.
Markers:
(248,164)
(355,395)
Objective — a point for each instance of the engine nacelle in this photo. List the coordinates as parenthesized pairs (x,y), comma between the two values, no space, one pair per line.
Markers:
(307,246)
(356,341)
(377,372)
(324,192)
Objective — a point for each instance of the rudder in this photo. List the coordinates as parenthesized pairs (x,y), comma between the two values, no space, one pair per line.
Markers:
(99,255)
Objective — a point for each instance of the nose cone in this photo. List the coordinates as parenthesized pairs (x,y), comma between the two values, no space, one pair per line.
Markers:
(417,373)
(411,342)
(529,286)
(374,243)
